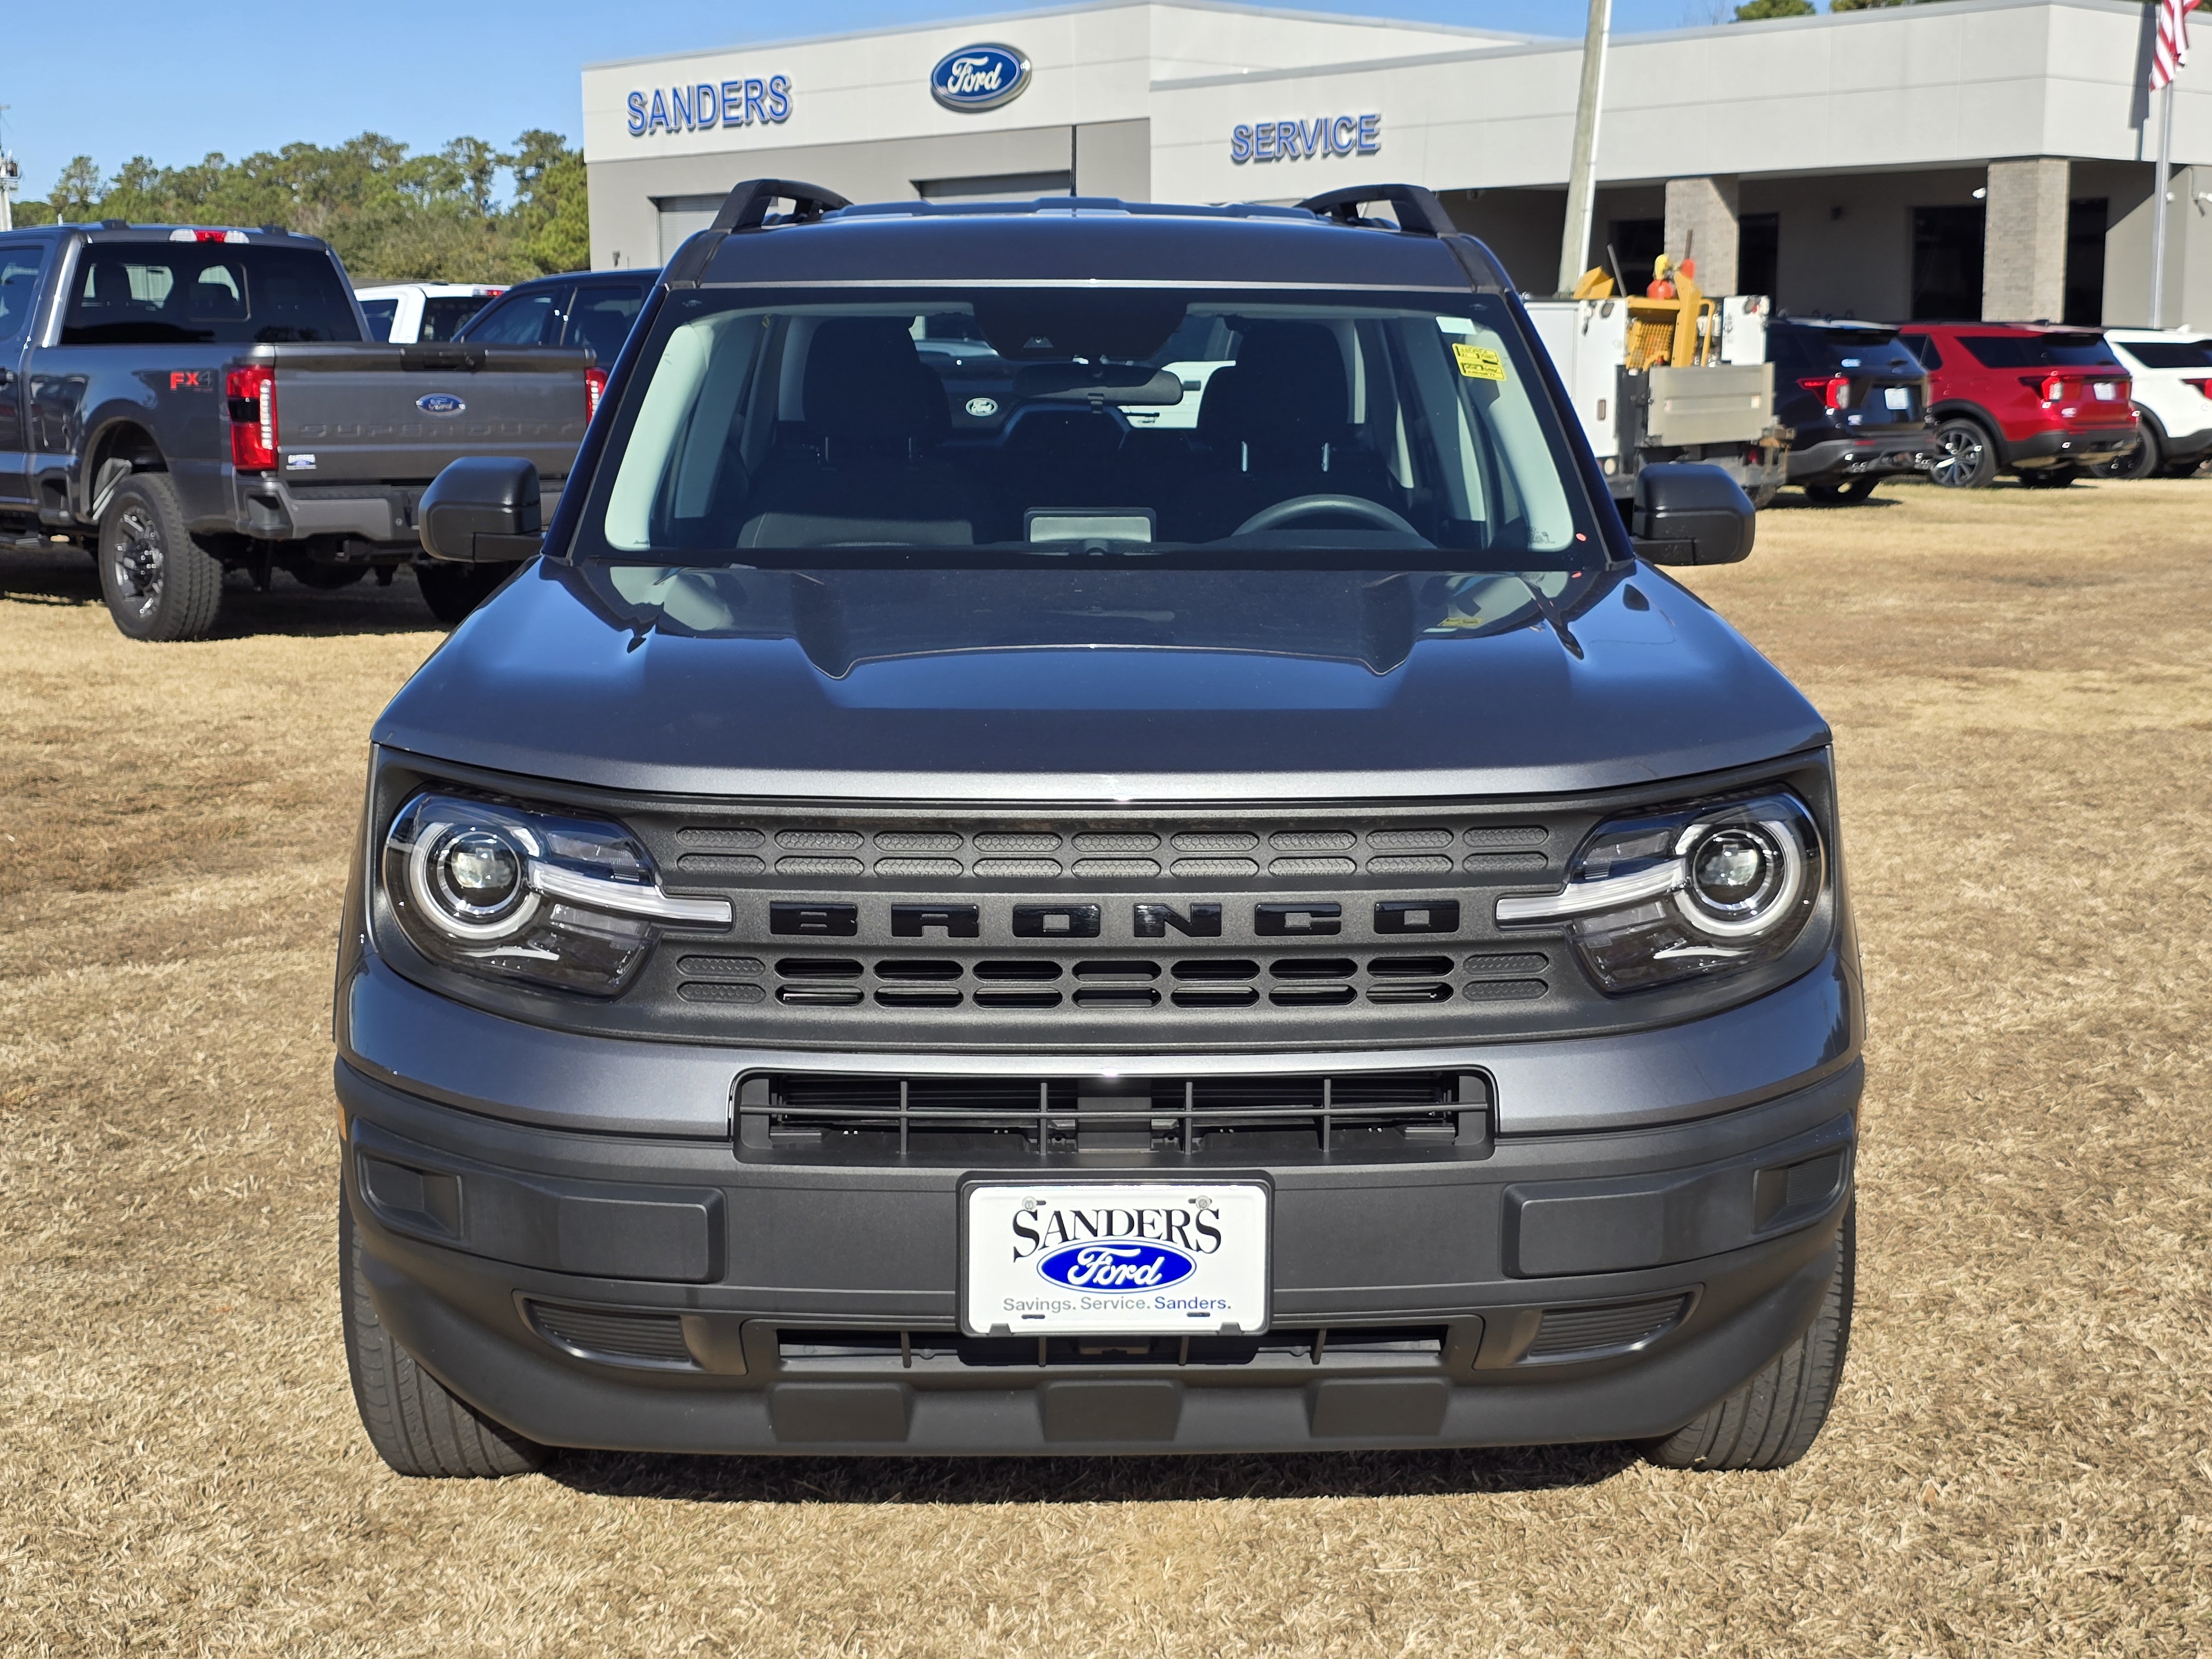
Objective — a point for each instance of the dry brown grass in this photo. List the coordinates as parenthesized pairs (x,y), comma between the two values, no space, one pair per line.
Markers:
(2022,684)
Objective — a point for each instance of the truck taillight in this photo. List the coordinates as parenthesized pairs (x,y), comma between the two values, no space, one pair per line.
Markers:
(595,387)
(252,391)
(2204,388)
(1835,390)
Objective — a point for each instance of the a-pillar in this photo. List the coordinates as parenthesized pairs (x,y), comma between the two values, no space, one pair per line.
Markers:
(1701,215)
(2024,241)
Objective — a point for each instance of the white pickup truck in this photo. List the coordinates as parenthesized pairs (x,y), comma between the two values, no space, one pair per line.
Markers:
(404,313)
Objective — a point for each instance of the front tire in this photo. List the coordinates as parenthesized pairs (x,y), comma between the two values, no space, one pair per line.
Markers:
(1966,455)
(160,583)
(417,1424)
(1771,1421)
(1842,492)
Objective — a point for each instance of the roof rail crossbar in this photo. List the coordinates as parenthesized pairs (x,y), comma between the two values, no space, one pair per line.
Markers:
(746,206)
(1418,210)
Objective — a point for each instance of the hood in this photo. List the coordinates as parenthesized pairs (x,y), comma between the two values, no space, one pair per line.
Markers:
(1084,684)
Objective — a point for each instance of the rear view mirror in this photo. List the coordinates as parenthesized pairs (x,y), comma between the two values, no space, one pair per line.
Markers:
(482,509)
(1689,514)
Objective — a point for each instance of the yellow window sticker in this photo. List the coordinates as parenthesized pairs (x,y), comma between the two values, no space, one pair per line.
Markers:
(1478,362)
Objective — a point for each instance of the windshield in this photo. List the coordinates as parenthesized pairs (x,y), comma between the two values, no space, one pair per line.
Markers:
(1018,424)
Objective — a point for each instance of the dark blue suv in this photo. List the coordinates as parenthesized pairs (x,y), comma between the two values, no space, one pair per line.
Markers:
(1855,400)
(1088,832)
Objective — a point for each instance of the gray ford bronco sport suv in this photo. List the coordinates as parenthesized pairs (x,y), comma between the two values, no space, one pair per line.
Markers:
(1089,834)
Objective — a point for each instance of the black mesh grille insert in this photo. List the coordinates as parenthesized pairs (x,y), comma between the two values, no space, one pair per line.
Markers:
(857,1117)
(1298,1348)
(615,1338)
(1587,1333)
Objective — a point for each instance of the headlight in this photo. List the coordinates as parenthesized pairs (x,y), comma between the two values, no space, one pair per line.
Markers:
(572,903)
(1708,889)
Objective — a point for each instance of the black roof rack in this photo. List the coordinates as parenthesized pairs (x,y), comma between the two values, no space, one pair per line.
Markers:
(746,206)
(1418,210)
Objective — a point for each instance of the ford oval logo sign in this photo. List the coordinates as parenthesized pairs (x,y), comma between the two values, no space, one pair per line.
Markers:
(979,77)
(1118,1266)
(440,403)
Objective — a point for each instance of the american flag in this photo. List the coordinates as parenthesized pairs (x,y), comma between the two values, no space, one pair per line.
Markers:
(2172,51)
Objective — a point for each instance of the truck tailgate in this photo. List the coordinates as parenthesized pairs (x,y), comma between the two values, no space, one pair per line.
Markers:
(1719,404)
(397,414)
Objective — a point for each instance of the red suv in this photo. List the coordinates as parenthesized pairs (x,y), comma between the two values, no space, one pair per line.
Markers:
(2042,403)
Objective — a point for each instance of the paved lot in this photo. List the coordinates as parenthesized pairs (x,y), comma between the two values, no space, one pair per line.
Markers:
(2022,684)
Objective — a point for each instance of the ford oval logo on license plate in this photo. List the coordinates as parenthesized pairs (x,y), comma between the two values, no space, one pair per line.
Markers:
(1130,1267)
(440,403)
(979,77)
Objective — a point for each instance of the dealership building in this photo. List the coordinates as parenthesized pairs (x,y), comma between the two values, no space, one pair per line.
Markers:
(1979,158)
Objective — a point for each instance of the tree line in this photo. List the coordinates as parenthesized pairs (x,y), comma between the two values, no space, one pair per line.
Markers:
(392,216)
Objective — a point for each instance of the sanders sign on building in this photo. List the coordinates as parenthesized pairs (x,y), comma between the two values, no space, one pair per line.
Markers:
(979,77)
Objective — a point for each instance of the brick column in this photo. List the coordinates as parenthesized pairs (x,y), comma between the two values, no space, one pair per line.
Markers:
(2023,239)
(1701,220)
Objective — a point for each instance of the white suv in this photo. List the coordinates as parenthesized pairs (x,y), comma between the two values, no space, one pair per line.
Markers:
(405,312)
(2173,374)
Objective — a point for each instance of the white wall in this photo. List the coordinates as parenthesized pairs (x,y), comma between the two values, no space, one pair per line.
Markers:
(1917,87)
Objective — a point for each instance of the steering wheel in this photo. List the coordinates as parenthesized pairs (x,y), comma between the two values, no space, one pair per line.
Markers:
(1305,506)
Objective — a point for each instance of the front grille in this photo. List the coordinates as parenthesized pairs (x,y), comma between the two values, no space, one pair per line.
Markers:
(648,1340)
(1297,1349)
(1037,984)
(869,1119)
(1614,1328)
(746,853)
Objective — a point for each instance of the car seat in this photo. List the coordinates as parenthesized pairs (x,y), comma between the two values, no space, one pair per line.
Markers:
(871,412)
(1277,421)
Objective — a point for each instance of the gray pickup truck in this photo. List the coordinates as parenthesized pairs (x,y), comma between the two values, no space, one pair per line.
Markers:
(186,401)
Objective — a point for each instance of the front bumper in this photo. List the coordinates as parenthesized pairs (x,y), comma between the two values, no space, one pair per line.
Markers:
(794,1306)
(1848,457)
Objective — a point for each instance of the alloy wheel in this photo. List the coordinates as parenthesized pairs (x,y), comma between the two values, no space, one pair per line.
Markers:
(137,560)
(1960,459)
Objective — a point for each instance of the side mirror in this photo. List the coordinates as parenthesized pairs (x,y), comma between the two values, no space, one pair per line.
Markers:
(1690,513)
(482,509)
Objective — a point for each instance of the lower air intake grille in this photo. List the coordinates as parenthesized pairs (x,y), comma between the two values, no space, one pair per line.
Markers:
(1588,1332)
(873,1119)
(654,1342)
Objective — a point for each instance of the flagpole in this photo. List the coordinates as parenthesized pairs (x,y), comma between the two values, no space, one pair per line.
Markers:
(2158,214)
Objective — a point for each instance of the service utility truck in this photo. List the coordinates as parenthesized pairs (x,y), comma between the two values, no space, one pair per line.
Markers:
(1670,380)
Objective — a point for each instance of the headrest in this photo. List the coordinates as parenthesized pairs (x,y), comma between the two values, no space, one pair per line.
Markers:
(1286,388)
(866,384)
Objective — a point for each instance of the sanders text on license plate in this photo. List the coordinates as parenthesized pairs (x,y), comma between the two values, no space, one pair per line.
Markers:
(1115,1258)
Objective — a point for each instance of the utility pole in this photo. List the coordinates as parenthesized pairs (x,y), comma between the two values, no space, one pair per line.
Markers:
(10,178)
(1582,182)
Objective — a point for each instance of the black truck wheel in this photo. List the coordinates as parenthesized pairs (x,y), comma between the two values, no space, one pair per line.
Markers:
(1770,1421)
(1966,458)
(159,583)
(415,1424)
(452,590)
(1842,492)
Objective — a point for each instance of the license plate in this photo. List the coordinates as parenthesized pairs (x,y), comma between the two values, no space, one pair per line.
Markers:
(1111,1258)
(1897,396)
(2107,391)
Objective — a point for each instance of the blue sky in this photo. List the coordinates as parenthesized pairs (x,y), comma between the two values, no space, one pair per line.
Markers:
(174,82)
